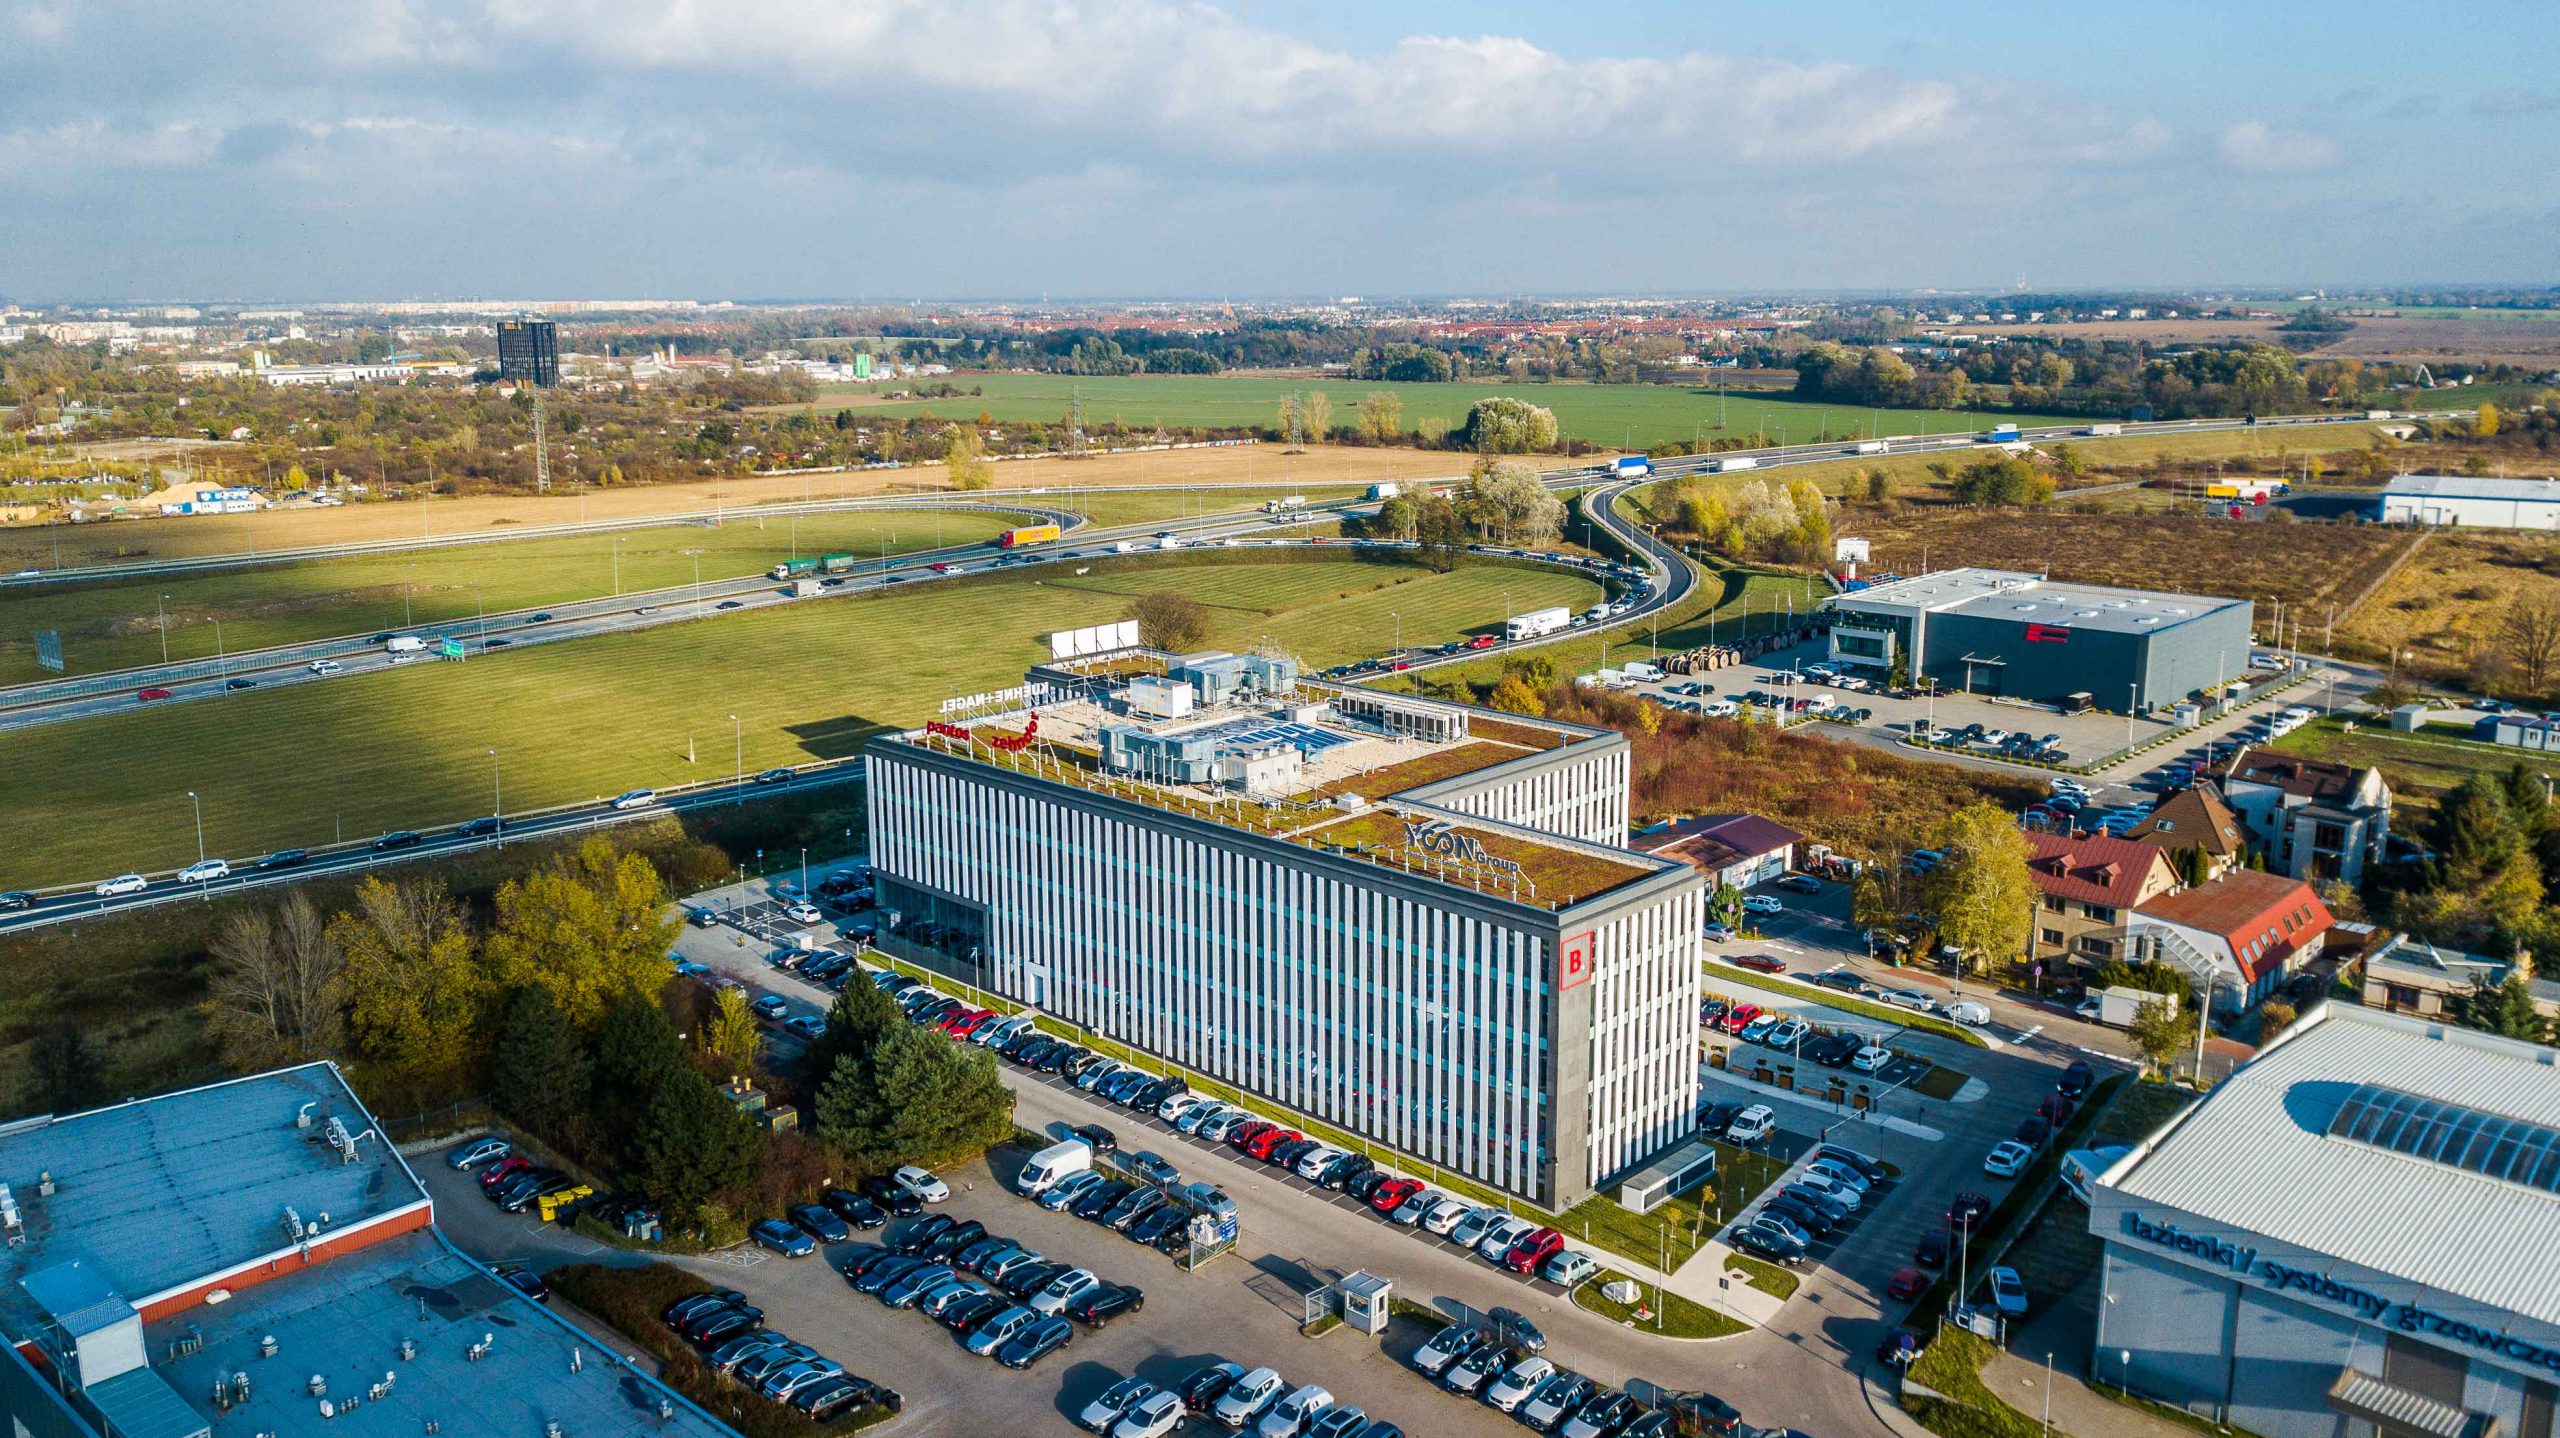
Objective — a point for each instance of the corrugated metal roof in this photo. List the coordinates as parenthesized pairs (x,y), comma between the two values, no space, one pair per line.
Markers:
(141,1404)
(2255,1155)
(2465,486)
(2369,1398)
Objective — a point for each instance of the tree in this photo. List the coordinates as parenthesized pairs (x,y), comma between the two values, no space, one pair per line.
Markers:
(1724,906)
(1983,895)
(1870,907)
(2530,633)
(1170,620)
(64,1072)
(586,926)
(1318,414)
(693,1143)
(938,1101)
(276,995)
(1512,696)
(1381,415)
(2005,481)
(1499,424)
(2195,867)
(636,1048)
(2161,1031)
(414,984)
(2486,425)
(2509,1010)
(539,1070)
(1504,497)
(1879,487)
(966,458)
(729,1033)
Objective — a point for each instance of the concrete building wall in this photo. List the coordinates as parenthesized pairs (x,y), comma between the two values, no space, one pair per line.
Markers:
(1580,794)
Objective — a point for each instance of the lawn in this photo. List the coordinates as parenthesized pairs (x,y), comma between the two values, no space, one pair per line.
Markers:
(114,624)
(1607,415)
(311,764)
(2421,768)
(1666,1314)
(2447,604)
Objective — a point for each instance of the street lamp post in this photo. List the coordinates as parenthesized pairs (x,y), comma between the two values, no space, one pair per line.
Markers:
(1399,619)
(206,890)
(617,566)
(162,605)
(498,796)
(738,731)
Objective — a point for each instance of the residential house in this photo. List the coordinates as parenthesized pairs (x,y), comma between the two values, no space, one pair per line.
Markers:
(2089,885)
(2313,819)
(1737,849)
(2195,818)
(2412,976)
(2244,933)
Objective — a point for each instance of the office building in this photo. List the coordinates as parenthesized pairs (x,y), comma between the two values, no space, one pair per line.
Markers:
(252,1257)
(2356,1235)
(529,352)
(1992,631)
(1413,920)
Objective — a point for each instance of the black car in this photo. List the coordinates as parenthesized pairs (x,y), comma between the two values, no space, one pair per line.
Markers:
(1102,1140)
(476,828)
(1287,1155)
(1872,1170)
(1105,1196)
(1764,1244)
(1057,1059)
(891,1196)
(236,684)
(526,1282)
(1362,1185)
(860,1259)
(1813,1220)
(1931,1251)
(2033,1131)
(1035,1343)
(1030,1278)
(727,1324)
(1719,1116)
(1344,1169)
(284,859)
(1099,1306)
(1967,1209)
(746,1315)
(819,1223)
(853,1208)
(1136,1206)
(1607,1411)
(1712,1415)
(538,618)
(920,1234)
(965,1314)
(1201,1391)
(2076,1080)
(885,1272)
(1515,1328)
(973,1258)
(954,1239)
(1167,1219)
(397,839)
(692,1303)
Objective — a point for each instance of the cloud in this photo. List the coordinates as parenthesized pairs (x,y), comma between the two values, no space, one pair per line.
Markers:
(2503,103)
(2257,148)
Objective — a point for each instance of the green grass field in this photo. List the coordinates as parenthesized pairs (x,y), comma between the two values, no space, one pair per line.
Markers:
(115,624)
(2421,768)
(1607,415)
(308,764)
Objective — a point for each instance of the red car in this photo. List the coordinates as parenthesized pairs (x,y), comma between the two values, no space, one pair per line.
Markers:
(1402,665)
(1906,1284)
(1738,1018)
(967,1023)
(1483,641)
(2055,1110)
(1763,962)
(1393,1193)
(1264,1142)
(504,1169)
(1246,1133)
(147,695)
(1531,1253)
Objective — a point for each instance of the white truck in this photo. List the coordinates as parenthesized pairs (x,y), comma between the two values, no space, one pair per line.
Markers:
(2101,431)
(1537,624)
(2119,1006)
(1732,462)
(1043,1169)
(1871,446)
(1284,504)
(1385,491)
(1643,672)
(406,644)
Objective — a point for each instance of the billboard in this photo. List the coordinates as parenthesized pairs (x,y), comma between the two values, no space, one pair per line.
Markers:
(1849,551)
(49,649)
(1094,639)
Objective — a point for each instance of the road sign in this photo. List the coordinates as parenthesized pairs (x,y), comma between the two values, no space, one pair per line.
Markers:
(49,649)
(449,648)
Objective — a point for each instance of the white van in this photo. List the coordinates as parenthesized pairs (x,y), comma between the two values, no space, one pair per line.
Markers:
(1753,1125)
(1052,1164)
(1966,1011)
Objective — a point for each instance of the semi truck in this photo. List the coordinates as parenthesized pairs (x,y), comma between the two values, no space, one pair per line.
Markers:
(823,564)
(1537,623)
(1871,446)
(2101,430)
(1028,534)
(1732,462)
(2002,433)
(1630,466)
(1385,491)
(1284,504)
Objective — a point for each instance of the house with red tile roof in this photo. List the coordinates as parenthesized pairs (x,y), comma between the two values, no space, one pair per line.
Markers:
(2244,933)
(2087,886)
(2195,819)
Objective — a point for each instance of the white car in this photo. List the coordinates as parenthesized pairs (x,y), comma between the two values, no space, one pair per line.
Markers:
(28,574)
(205,871)
(1517,1382)
(1444,1216)
(1224,1121)
(1762,904)
(1720,709)
(123,884)
(1248,1396)
(1293,1412)
(1064,1289)
(1173,1109)
(1718,934)
(1497,1240)
(324,666)
(1469,1231)
(921,1183)
(1787,1035)
(2007,1159)
(804,914)
(635,798)
(1993,738)
(1104,1412)
(1832,1188)
(1154,1416)
(1871,1058)
(1313,1161)
(1752,1125)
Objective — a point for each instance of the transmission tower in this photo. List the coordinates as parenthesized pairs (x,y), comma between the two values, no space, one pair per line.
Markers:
(1075,421)
(541,445)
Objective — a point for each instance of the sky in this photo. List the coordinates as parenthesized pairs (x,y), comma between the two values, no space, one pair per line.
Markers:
(892,150)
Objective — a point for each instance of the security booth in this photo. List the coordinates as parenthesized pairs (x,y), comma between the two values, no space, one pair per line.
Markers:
(1365,1300)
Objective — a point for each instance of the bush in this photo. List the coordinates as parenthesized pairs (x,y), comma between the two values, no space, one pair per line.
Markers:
(631,1300)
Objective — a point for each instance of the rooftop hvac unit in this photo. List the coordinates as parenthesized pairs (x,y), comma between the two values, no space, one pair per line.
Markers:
(12,1226)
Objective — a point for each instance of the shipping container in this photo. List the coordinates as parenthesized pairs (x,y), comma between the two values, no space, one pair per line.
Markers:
(1028,534)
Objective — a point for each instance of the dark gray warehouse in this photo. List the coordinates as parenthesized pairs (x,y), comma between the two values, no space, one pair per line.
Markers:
(1994,631)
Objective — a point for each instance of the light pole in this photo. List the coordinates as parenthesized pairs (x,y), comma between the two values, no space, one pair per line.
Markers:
(162,605)
(221,656)
(409,592)
(617,566)
(498,796)
(738,731)
(198,805)
(1399,619)
(2132,698)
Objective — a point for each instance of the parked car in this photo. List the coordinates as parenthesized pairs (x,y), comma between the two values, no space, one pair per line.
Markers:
(921,1183)
(1518,1382)
(782,1238)
(472,1153)
(1247,1397)
(1037,1341)
(1763,963)
(1752,1126)
(2007,1159)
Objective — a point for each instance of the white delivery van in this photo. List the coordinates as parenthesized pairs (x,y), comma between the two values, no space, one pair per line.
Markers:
(1051,1164)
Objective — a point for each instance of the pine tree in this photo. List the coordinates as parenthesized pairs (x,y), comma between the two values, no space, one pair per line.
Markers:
(2511,1012)
(693,1143)
(636,1049)
(539,1071)
(940,1101)
(858,1022)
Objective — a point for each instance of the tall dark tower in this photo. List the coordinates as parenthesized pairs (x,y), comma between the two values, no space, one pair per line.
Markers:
(529,350)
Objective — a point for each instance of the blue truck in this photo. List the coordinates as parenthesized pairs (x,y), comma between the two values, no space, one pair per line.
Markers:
(2001,434)
(1633,466)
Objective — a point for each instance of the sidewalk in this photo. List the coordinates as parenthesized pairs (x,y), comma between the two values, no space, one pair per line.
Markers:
(2076,1410)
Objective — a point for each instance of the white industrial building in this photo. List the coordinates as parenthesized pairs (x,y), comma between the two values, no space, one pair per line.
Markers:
(2356,1235)
(1413,920)
(2471,502)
